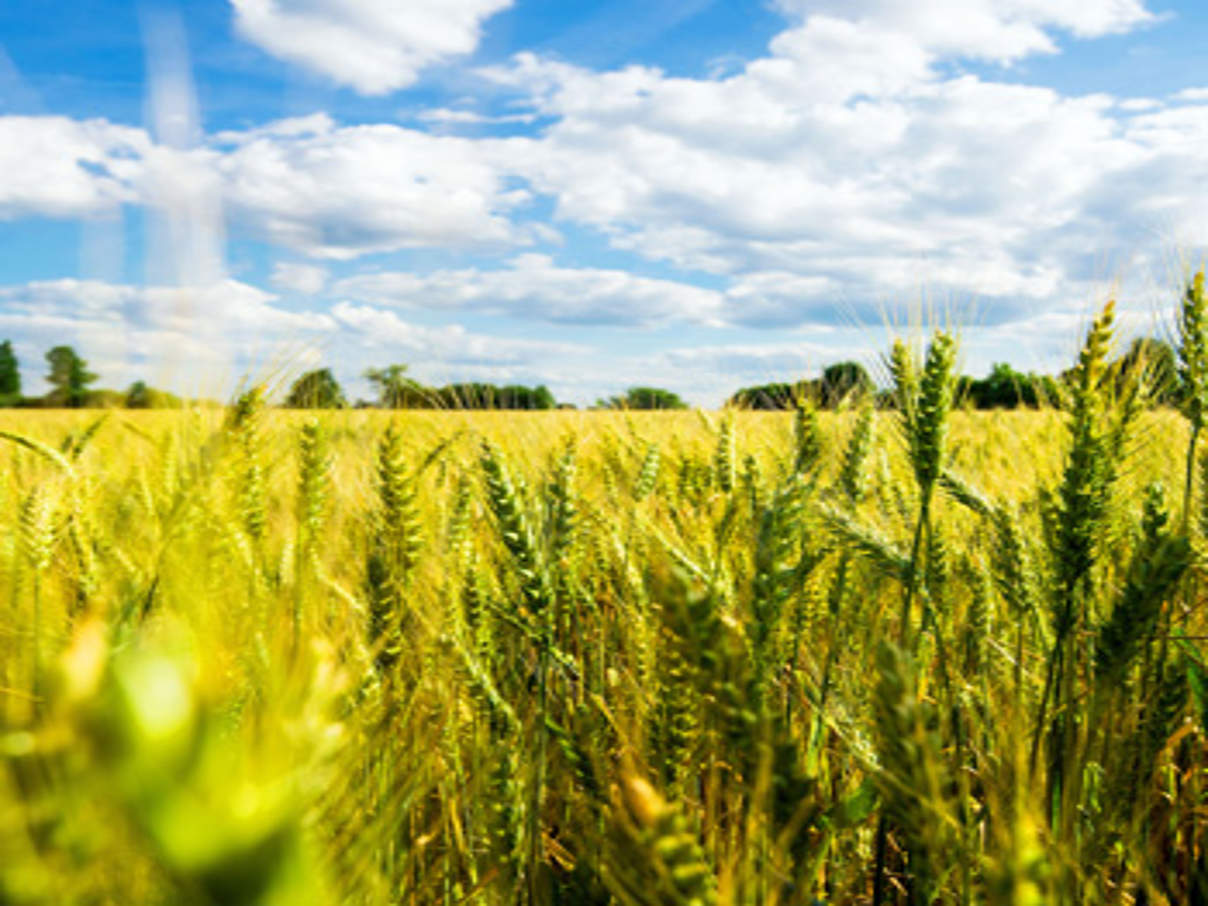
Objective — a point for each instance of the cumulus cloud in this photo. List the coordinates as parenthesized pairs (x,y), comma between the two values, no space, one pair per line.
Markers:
(337,193)
(228,305)
(998,30)
(372,46)
(1135,105)
(534,288)
(451,344)
(305,184)
(58,167)
(817,194)
(307,279)
(753,362)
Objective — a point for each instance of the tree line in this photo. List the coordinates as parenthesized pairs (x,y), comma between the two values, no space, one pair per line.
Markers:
(839,384)
(319,389)
(1002,388)
(71,385)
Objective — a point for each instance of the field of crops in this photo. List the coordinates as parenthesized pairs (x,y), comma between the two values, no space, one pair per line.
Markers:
(906,656)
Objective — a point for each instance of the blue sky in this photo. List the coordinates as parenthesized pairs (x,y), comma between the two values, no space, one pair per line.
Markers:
(696,194)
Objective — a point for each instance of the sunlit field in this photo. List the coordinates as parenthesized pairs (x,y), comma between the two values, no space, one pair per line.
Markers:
(603,453)
(911,655)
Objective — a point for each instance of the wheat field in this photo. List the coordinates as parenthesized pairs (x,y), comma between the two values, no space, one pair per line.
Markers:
(913,655)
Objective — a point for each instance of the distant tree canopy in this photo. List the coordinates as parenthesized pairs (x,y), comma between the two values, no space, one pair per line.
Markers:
(771,396)
(1005,388)
(843,380)
(10,375)
(839,382)
(643,398)
(69,378)
(489,396)
(316,389)
(140,396)
(394,389)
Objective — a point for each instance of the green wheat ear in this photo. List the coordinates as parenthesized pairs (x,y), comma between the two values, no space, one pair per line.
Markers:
(399,521)
(396,538)
(245,426)
(562,510)
(515,529)
(902,368)
(1193,375)
(807,434)
(1090,465)
(723,456)
(853,475)
(1202,514)
(457,535)
(1193,351)
(654,857)
(928,440)
(649,473)
(314,479)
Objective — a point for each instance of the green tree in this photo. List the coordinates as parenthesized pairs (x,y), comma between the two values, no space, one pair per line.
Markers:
(141,396)
(10,375)
(841,380)
(644,398)
(1003,388)
(395,390)
(138,396)
(69,378)
(480,395)
(775,396)
(316,389)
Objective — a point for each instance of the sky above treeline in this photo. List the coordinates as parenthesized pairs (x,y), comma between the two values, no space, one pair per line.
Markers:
(690,194)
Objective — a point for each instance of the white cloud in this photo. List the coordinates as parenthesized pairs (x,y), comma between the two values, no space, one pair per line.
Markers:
(307,279)
(1195,95)
(52,166)
(754,362)
(227,306)
(943,178)
(58,167)
(373,46)
(534,288)
(1139,105)
(304,184)
(338,193)
(451,344)
(999,30)
(821,197)
(782,297)
(448,116)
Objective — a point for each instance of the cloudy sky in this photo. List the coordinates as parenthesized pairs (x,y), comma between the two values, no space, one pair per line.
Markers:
(699,194)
